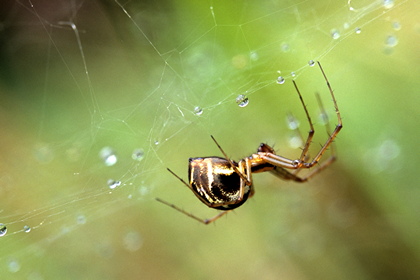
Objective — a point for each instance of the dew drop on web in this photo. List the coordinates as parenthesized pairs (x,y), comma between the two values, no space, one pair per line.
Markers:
(254,56)
(3,229)
(335,34)
(81,219)
(132,241)
(388,4)
(396,25)
(242,100)
(292,122)
(285,47)
(138,154)
(27,228)
(107,154)
(391,41)
(280,80)
(112,184)
(323,118)
(295,141)
(13,266)
(198,111)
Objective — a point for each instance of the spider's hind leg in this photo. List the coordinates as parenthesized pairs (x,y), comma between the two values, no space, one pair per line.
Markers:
(311,133)
(204,221)
(331,135)
(334,134)
(324,119)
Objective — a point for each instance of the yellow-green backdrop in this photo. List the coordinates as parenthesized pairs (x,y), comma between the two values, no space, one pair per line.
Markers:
(98,98)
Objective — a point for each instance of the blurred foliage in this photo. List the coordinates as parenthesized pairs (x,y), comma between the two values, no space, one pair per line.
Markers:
(129,76)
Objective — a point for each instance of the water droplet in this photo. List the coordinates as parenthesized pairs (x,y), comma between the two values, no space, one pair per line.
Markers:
(292,122)
(74,153)
(132,241)
(285,47)
(383,157)
(254,56)
(112,184)
(396,25)
(391,41)
(323,118)
(280,80)
(156,142)
(335,34)
(242,100)
(138,154)
(108,156)
(389,150)
(13,265)
(3,229)
(198,111)
(388,4)
(311,63)
(295,141)
(346,25)
(358,30)
(81,219)
(44,153)
(293,74)
(143,191)
(27,228)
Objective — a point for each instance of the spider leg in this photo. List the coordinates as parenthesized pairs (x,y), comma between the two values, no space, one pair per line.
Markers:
(311,126)
(336,130)
(282,162)
(244,172)
(286,175)
(199,197)
(294,126)
(326,122)
(204,221)
(319,168)
(179,178)
(277,160)
(243,177)
(248,166)
(245,164)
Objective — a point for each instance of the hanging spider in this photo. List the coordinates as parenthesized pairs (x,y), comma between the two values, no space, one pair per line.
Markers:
(224,184)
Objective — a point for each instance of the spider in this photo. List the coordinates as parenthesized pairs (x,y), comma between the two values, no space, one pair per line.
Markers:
(224,184)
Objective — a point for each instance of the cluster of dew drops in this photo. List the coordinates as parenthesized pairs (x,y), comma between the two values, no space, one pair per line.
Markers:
(3,229)
(242,100)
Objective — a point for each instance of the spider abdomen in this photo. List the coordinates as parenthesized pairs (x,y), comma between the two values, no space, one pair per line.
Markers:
(215,182)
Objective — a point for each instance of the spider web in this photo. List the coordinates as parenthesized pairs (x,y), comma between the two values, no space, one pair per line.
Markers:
(100,97)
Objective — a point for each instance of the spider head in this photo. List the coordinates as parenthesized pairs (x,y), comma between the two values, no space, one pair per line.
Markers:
(265,148)
(260,165)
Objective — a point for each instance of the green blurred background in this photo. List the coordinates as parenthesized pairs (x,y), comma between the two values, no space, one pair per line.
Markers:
(82,81)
